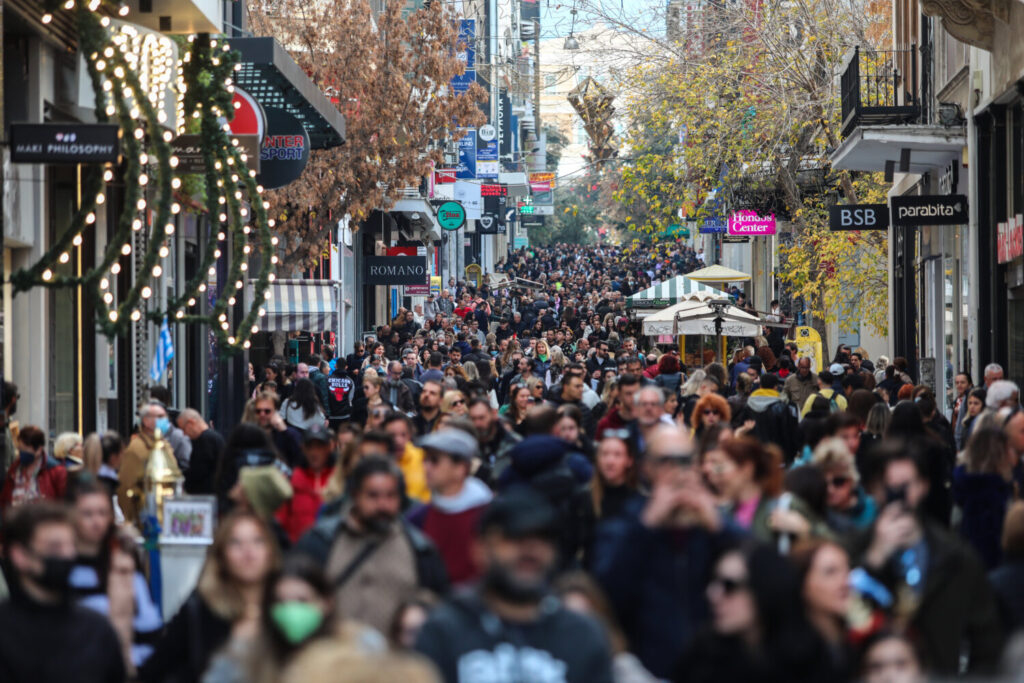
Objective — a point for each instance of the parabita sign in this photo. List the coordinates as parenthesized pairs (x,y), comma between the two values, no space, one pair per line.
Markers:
(396,270)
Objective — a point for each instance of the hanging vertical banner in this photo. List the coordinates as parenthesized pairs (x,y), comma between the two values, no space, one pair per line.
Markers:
(466,52)
(487,152)
(466,169)
(505,124)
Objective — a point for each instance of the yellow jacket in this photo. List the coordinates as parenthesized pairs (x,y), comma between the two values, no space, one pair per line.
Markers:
(411,465)
(827,393)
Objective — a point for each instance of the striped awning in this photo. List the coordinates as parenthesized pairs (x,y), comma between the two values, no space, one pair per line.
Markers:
(300,305)
(669,292)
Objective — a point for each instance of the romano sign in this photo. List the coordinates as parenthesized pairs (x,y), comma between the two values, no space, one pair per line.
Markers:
(943,209)
(396,270)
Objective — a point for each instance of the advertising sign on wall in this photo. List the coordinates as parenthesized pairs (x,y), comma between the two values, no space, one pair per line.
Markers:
(395,270)
(750,223)
(285,149)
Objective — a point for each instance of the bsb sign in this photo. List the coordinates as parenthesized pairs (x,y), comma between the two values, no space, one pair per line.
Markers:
(396,270)
(946,209)
(858,217)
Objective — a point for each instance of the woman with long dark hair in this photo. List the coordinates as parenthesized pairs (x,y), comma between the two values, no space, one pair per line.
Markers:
(983,488)
(758,631)
(303,409)
(908,424)
(519,402)
(824,571)
(614,490)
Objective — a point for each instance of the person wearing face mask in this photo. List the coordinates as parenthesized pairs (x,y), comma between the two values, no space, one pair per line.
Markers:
(297,613)
(34,475)
(130,494)
(510,627)
(46,635)
(371,555)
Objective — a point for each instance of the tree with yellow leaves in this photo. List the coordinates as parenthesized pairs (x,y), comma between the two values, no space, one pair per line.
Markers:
(738,109)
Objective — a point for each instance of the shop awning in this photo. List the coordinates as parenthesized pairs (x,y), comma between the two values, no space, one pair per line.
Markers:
(273,78)
(300,305)
(718,273)
(697,317)
(672,291)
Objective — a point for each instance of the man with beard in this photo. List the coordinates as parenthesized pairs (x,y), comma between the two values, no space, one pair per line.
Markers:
(39,549)
(801,384)
(933,577)
(371,555)
(509,628)
(430,407)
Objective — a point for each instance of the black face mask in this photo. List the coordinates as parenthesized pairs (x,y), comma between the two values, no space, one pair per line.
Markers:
(54,576)
(502,583)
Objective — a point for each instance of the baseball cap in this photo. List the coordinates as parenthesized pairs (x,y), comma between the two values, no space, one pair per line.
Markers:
(520,512)
(317,433)
(454,442)
(836,369)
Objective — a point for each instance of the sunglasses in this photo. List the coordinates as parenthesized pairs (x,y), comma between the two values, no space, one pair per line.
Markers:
(459,402)
(264,411)
(727,585)
(380,412)
(837,482)
(711,412)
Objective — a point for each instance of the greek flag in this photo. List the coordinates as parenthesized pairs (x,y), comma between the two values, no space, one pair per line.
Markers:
(164,353)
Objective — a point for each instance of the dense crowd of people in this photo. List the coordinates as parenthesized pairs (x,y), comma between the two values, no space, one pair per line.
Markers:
(512,485)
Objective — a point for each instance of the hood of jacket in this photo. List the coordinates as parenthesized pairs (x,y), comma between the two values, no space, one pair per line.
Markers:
(474,493)
(763,399)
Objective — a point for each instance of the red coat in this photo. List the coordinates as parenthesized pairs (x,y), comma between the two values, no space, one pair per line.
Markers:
(52,481)
(298,515)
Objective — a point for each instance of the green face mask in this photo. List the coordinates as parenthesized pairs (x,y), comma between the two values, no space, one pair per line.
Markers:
(296,620)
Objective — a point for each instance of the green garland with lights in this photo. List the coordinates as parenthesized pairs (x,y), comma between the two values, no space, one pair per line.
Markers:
(205,93)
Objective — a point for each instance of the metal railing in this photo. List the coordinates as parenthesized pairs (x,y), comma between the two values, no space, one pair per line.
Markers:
(879,87)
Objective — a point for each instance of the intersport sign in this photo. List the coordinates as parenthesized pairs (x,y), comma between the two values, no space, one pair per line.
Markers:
(929,210)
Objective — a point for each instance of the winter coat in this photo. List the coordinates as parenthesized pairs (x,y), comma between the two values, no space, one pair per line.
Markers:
(187,645)
(299,514)
(1006,581)
(51,480)
(797,390)
(983,498)
(451,523)
(655,579)
(774,422)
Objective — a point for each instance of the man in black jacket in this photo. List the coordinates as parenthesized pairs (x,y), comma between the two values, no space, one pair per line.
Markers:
(572,393)
(510,620)
(774,421)
(46,635)
(207,447)
(371,555)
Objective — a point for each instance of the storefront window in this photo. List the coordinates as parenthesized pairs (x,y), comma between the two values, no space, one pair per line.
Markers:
(64,310)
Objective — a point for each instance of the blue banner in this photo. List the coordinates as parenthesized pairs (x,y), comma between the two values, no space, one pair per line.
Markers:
(467,156)
(467,55)
(713,224)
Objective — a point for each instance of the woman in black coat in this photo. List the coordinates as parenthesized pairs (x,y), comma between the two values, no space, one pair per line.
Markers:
(758,630)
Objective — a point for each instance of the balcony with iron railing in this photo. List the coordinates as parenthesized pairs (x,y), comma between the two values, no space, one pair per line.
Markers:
(879,87)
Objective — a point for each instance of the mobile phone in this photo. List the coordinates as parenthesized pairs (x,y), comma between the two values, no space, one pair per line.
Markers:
(896,494)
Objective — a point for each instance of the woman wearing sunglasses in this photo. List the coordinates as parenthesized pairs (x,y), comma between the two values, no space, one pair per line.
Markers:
(758,631)
(370,409)
(453,403)
(850,508)
(709,410)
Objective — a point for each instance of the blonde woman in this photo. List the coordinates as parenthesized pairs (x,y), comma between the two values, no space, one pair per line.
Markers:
(542,355)
(226,605)
(371,400)
(536,387)
(453,403)
(557,367)
(68,449)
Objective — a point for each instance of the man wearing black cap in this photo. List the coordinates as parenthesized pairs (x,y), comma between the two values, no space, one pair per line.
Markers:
(510,628)
(309,482)
(451,517)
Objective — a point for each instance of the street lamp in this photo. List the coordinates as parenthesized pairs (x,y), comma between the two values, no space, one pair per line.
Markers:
(571,43)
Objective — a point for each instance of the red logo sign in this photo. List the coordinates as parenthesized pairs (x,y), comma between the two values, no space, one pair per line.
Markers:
(493,191)
(444,175)
(1010,239)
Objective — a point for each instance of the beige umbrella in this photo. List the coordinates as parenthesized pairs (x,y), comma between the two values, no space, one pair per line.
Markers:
(718,273)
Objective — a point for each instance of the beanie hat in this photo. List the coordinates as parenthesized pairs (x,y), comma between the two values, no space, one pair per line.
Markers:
(266,488)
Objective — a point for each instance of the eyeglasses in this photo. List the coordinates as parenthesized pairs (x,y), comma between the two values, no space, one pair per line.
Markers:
(728,585)
(837,482)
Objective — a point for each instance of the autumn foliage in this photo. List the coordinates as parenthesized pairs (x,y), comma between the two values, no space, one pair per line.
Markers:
(388,71)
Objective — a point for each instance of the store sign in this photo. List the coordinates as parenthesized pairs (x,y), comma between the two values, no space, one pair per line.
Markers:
(443,176)
(285,150)
(713,225)
(939,209)
(1010,239)
(858,217)
(468,194)
(467,156)
(396,270)
(249,117)
(189,150)
(493,191)
(750,223)
(735,239)
(64,143)
(542,182)
(417,290)
(451,215)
